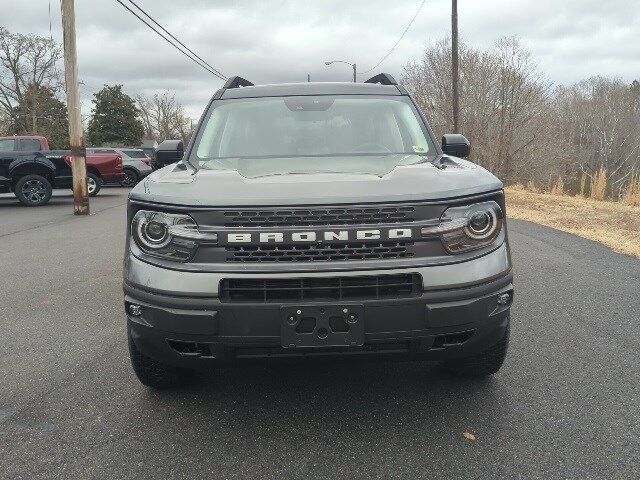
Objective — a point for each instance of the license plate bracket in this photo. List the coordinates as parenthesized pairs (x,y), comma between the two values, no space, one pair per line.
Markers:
(322,326)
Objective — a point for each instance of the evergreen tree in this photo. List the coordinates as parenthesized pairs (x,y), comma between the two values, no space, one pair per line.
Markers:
(42,113)
(114,119)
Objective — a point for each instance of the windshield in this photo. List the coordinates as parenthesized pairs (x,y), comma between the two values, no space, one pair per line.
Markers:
(311,133)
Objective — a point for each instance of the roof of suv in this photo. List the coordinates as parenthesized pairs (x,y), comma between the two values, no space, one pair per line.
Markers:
(381,84)
(317,88)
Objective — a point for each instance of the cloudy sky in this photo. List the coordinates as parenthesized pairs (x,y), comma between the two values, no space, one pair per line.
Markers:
(270,41)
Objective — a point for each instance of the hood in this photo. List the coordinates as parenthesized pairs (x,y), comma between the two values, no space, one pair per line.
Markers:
(445,177)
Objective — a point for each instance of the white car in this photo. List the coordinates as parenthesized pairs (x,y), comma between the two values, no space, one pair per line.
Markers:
(136,164)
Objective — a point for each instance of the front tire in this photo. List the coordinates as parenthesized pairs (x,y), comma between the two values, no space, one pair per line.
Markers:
(481,365)
(33,190)
(154,374)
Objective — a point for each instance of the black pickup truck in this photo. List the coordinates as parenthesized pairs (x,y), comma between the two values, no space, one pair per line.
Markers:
(32,175)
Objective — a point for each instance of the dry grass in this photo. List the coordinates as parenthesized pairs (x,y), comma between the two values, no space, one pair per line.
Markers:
(631,195)
(583,185)
(614,224)
(598,189)
(558,187)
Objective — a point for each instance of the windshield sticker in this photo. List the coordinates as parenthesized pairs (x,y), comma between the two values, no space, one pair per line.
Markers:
(419,149)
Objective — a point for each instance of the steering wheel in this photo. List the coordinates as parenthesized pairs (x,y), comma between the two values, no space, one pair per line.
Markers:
(366,148)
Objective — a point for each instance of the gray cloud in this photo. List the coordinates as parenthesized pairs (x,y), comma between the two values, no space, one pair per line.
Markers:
(271,41)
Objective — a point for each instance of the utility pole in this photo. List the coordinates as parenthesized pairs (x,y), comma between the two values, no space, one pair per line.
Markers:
(455,76)
(78,151)
(354,73)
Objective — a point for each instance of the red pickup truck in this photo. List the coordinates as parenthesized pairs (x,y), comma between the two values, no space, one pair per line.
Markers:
(30,170)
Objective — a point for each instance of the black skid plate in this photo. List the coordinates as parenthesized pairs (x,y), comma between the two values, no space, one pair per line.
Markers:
(322,326)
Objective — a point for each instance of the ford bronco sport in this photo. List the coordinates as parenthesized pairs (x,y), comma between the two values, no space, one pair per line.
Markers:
(316,219)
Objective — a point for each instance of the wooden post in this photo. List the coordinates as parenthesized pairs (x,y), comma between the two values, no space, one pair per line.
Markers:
(454,66)
(78,151)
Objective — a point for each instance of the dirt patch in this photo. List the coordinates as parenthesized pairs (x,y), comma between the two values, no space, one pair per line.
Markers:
(612,223)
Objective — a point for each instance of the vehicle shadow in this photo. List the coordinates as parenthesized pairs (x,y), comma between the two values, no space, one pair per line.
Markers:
(10,200)
(342,399)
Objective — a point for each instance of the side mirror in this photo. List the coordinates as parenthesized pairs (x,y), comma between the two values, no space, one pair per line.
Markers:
(456,145)
(168,152)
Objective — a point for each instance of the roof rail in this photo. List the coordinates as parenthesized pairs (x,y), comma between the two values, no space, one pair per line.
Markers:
(383,79)
(237,82)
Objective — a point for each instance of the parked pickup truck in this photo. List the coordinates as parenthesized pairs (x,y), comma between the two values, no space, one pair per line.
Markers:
(30,170)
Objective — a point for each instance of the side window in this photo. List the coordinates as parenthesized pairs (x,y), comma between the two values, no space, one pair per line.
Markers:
(28,145)
(7,145)
(134,153)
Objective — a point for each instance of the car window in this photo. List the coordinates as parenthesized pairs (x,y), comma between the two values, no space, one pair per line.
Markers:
(100,150)
(28,145)
(7,145)
(134,153)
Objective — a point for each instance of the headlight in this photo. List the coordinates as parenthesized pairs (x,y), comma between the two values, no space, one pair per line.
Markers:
(167,235)
(462,229)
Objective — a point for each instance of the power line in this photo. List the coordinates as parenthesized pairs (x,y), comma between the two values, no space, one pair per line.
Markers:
(175,38)
(396,44)
(213,72)
(198,62)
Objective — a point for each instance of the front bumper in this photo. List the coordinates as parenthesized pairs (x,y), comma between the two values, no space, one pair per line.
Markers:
(184,323)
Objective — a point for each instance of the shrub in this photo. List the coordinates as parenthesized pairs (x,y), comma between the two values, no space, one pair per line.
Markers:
(631,195)
(598,190)
(558,187)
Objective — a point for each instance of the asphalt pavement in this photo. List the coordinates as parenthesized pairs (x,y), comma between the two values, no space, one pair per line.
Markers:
(566,404)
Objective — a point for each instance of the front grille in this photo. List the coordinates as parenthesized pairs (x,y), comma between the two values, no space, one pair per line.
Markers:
(319,216)
(318,253)
(316,289)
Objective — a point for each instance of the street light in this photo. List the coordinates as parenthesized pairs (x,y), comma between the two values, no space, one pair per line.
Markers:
(348,63)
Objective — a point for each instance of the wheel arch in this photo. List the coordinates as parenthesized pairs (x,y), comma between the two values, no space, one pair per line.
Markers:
(32,165)
(132,168)
(94,171)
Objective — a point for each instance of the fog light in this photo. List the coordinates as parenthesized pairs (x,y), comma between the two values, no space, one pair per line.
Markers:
(135,310)
(504,299)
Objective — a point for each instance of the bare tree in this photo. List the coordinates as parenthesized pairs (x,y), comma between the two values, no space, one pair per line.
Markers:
(28,64)
(5,124)
(164,117)
(601,120)
(502,98)
(521,131)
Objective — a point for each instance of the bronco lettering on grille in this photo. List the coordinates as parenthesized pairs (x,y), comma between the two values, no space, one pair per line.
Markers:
(320,236)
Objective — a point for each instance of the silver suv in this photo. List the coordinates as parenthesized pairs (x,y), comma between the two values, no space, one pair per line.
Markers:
(316,219)
(136,164)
